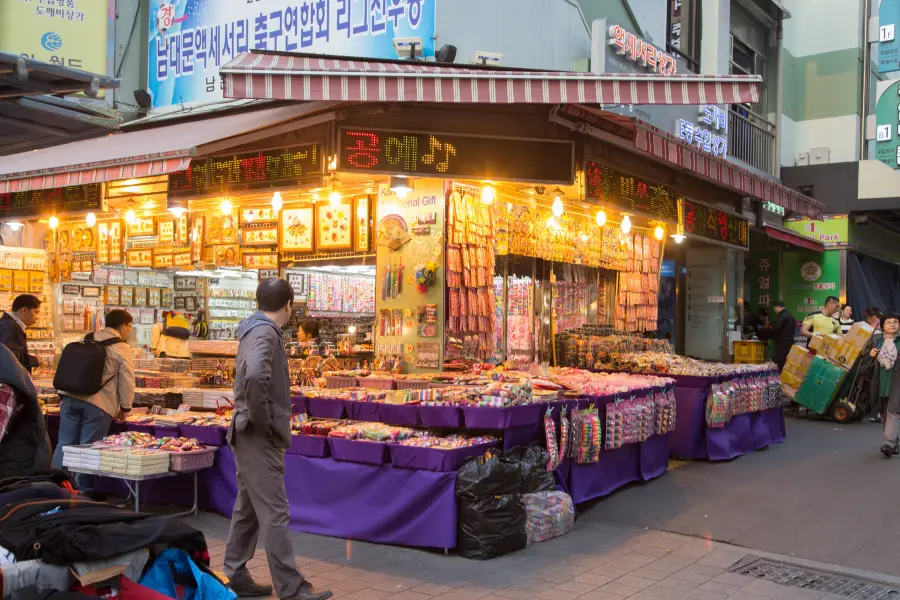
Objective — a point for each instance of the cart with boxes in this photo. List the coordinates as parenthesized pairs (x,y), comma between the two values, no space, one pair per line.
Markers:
(818,378)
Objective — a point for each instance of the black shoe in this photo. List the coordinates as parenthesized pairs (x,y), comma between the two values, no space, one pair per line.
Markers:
(307,592)
(887,450)
(245,587)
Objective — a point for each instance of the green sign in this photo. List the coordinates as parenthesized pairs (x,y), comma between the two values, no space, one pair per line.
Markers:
(809,278)
(889,36)
(887,129)
(832,231)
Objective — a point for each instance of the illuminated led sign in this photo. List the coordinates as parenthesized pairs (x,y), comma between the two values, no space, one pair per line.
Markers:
(64,199)
(709,133)
(629,193)
(249,171)
(452,155)
(714,224)
(639,51)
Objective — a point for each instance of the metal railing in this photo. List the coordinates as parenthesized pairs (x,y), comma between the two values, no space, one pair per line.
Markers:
(751,139)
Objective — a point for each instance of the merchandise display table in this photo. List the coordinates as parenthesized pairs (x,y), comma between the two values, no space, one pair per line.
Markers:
(133,484)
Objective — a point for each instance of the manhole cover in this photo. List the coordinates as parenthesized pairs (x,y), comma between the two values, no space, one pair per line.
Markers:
(813,579)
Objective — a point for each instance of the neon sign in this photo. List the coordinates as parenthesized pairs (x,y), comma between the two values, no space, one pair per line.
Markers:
(639,51)
(712,139)
(64,199)
(629,193)
(453,155)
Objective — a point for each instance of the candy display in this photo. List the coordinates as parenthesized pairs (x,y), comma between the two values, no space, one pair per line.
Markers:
(552,444)
(586,435)
(636,304)
(604,384)
(548,515)
(128,438)
(451,442)
(674,364)
(629,422)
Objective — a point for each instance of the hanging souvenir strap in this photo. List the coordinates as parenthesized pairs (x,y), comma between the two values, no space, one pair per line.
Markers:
(718,406)
(589,447)
(614,425)
(665,411)
(563,434)
(552,444)
(574,432)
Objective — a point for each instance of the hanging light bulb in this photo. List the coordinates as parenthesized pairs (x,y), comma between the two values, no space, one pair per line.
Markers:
(601,218)
(401,185)
(659,232)
(626,224)
(488,194)
(332,162)
(194,235)
(557,207)
(225,207)
(362,208)
(584,237)
(678,238)
(130,217)
(334,198)
(53,222)
(551,223)
(277,202)
(90,219)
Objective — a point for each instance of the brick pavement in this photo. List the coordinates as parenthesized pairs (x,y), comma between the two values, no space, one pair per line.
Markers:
(600,560)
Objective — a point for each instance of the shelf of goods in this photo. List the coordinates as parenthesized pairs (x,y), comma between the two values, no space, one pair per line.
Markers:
(361,445)
(227,307)
(24,271)
(724,410)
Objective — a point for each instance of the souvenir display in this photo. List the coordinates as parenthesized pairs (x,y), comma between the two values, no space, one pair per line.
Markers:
(361,216)
(334,227)
(550,439)
(629,421)
(637,301)
(295,229)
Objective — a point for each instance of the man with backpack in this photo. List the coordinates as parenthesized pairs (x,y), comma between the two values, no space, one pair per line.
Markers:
(91,397)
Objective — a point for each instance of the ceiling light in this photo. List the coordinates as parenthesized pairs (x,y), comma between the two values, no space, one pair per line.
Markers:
(362,208)
(488,194)
(178,211)
(53,222)
(334,198)
(557,207)
(659,232)
(332,163)
(225,206)
(130,217)
(551,223)
(626,224)
(584,237)
(601,218)
(194,235)
(90,219)
(678,238)
(351,329)
(277,202)
(401,185)
(14,225)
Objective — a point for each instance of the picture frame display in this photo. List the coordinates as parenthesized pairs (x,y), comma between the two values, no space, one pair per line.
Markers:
(258,215)
(140,257)
(142,226)
(295,229)
(259,236)
(361,219)
(334,226)
(261,260)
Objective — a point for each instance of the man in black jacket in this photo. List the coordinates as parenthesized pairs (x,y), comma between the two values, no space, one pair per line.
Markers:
(24,444)
(13,324)
(783,332)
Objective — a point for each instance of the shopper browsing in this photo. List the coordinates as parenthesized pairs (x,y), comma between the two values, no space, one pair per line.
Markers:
(885,351)
(822,322)
(13,324)
(24,445)
(90,403)
(260,433)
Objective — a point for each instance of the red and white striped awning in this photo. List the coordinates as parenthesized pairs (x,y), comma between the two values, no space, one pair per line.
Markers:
(305,77)
(86,174)
(669,149)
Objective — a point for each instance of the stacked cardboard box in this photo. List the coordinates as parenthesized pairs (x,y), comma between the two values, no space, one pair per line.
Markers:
(795,368)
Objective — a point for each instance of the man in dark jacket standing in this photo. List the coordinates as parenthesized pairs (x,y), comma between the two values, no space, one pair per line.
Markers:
(13,324)
(782,332)
(24,444)
(260,433)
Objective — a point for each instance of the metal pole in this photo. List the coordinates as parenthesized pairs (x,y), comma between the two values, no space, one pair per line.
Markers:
(779,96)
(866,69)
(505,351)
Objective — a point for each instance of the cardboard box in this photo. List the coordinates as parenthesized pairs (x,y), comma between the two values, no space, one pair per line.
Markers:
(816,342)
(842,353)
(790,380)
(798,361)
(859,334)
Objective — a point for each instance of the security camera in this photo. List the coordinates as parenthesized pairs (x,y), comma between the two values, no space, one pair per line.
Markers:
(408,47)
(483,57)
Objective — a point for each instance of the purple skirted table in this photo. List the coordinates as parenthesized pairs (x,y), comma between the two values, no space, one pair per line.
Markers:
(742,434)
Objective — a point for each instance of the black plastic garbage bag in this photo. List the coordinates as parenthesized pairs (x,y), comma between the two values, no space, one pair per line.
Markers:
(489,475)
(532,461)
(491,526)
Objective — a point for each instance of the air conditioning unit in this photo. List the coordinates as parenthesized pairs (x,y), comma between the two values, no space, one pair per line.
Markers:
(820,156)
(803,159)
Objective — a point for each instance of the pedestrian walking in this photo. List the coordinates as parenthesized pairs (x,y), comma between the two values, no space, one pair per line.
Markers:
(13,324)
(885,351)
(259,434)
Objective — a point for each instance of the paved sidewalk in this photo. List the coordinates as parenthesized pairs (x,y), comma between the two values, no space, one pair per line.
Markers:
(600,560)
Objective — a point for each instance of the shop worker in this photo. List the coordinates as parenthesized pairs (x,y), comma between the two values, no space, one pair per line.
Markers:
(308,333)
(260,433)
(782,332)
(170,336)
(823,322)
(24,445)
(13,323)
(85,419)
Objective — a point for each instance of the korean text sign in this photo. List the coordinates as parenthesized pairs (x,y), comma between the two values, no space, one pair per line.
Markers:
(191,39)
(67,33)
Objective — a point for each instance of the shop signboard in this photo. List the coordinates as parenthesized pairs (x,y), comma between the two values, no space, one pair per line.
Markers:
(716,225)
(832,231)
(887,128)
(708,131)
(32,203)
(427,154)
(67,33)
(809,278)
(889,36)
(249,171)
(762,285)
(190,41)
(628,193)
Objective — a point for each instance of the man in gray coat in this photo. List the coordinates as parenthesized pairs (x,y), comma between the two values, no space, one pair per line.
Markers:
(260,433)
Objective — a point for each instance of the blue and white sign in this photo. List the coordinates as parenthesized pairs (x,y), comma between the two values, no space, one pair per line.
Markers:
(709,133)
(191,39)
(888,36)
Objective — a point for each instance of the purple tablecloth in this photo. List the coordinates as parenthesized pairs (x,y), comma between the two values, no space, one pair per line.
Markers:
(692,439)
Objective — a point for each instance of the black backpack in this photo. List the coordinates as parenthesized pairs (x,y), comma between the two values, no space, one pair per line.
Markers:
(80,369)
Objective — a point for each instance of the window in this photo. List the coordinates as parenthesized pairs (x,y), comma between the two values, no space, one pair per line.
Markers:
(683,31)
(746,61)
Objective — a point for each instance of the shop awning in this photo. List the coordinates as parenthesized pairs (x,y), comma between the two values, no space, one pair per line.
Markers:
(135,154)
(304,77)
(787,236)
(668,149)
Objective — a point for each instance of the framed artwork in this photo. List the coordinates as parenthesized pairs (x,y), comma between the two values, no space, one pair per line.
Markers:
(6,278)
(63,240)
(298,282)
(142,226)
(262,260)
(83,239)
(182,234)
(20,281)
(116,234)
(179,302)
(184,283)
(221,229)
(258,215)
(361,219)
(85,265)
(36,282)
(35,262)
(103,242)
(259,236)
(228,256)
(190,303)
(162,261)
(50,241)
(166,231)
(91,291)
(142,257)
(334,227)
(181,259)
(14,261)
(197,236)
(153,297)
(140,296)
(295,229)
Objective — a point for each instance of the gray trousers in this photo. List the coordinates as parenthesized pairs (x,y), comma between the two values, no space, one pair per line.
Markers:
(261,504)
(891,428)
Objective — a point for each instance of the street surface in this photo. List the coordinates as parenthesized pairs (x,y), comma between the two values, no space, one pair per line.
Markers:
(814,498)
